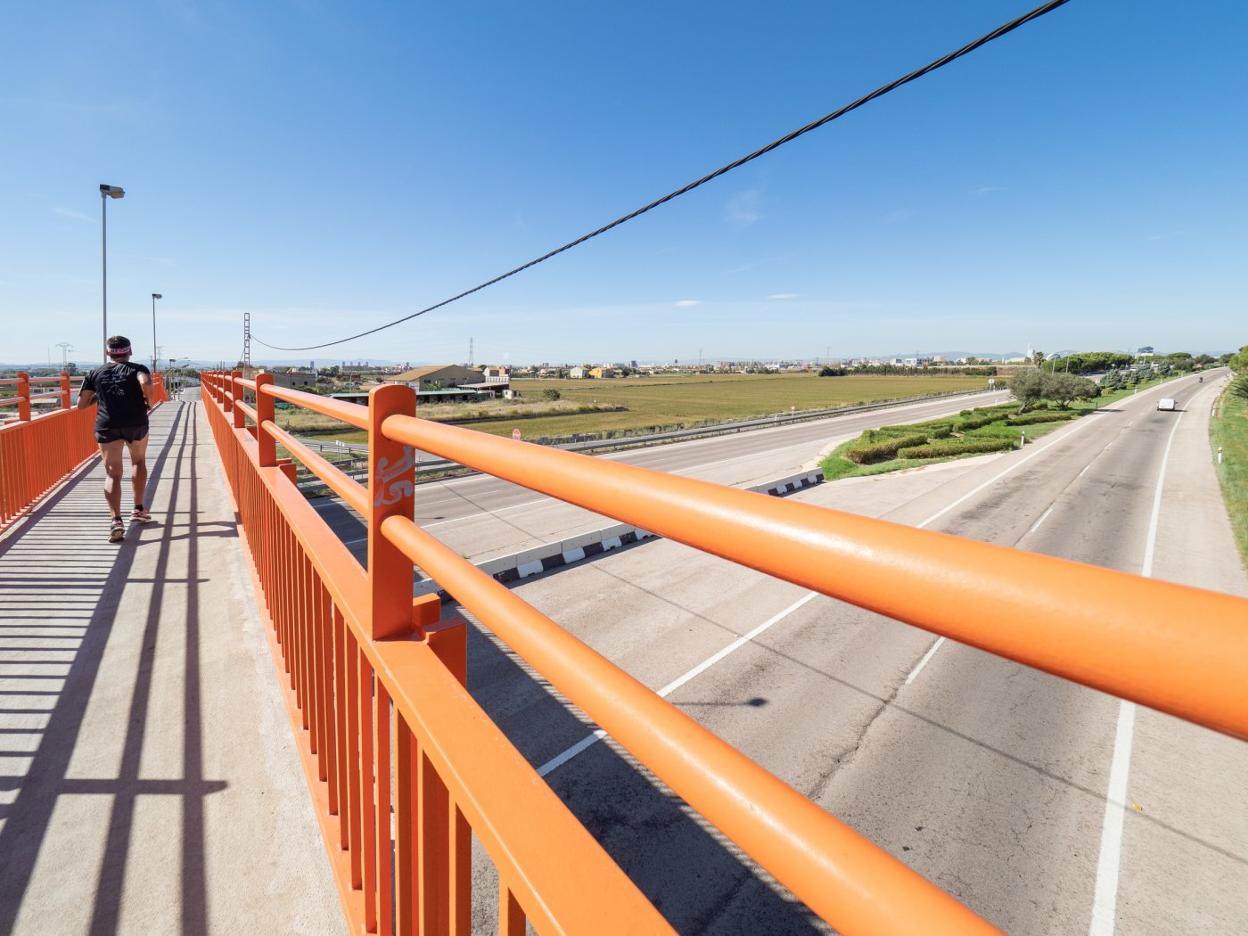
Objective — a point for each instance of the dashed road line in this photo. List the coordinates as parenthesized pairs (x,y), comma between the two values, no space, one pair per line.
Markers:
(1109,861)
(585,743)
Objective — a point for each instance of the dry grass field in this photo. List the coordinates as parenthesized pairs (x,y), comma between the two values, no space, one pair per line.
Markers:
(670,402)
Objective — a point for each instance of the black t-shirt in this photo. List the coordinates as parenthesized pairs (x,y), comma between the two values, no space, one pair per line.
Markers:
(118,394)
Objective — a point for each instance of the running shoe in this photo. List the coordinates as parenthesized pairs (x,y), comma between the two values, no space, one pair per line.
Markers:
(117,532)
(141,515)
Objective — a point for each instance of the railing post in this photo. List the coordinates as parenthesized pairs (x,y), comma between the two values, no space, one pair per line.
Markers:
(236,394)
(23,396)
(227,403)
(266,411)
(391,491)
(66,391)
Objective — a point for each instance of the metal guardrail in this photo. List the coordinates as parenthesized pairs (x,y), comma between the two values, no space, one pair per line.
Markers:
(1178,649)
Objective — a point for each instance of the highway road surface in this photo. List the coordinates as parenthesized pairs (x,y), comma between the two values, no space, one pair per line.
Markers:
(987,777)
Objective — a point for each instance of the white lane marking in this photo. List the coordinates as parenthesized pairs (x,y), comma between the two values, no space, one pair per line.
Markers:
(1088,420)
(1109,862)
(931,652)
(1044,516)
(560,759)
(993,480)
(490,513)
(1105,900)
(585,743)
(1084,469)
(734,646)
(1083,423)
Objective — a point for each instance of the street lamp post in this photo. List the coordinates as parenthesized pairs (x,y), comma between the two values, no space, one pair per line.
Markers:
(155,296)
(106,192)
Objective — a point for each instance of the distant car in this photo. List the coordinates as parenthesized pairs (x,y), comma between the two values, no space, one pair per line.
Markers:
(1167,403)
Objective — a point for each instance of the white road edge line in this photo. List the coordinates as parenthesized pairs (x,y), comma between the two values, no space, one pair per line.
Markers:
(562,758)
(931,652)
(993,480)
(1044,516)
(1109,861)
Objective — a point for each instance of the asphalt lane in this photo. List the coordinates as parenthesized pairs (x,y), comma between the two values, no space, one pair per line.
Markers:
(984,775)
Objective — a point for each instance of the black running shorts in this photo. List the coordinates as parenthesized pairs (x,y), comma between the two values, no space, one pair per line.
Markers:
(120,433)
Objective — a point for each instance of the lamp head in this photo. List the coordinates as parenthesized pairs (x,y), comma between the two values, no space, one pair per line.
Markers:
(157,296)
(112,191)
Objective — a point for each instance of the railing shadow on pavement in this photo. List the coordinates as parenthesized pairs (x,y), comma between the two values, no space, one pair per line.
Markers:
(60,712)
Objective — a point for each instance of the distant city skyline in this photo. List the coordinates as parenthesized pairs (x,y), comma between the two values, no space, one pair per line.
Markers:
(327,168)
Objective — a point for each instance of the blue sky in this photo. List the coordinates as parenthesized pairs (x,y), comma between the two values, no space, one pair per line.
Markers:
(1078,184)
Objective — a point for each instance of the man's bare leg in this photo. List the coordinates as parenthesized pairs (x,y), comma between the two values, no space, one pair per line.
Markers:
(110,452)
(138,476)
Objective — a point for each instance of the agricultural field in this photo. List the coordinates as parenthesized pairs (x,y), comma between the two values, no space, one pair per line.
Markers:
(634,404)
(670,402)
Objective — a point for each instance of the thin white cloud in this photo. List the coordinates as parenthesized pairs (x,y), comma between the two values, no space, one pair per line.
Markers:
(72,215)
(687,303)
(984,190)
(743,208)
(782,296)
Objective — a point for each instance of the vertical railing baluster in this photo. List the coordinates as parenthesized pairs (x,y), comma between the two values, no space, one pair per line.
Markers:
(510,915)
(368,819)
(405,817)
(385,833)
(353,757)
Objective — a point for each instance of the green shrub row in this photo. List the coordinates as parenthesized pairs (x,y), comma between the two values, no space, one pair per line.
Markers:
(932,430)
(978,422)
(956,447)
(1027,419)
(883,450)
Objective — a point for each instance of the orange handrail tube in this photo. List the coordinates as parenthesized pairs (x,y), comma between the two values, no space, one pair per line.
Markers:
(839,874)
(1174,648)
(319,601)
(335,479)
(351,413)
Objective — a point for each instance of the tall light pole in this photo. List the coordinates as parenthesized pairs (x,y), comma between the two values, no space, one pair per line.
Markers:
(106,192)
(155,296)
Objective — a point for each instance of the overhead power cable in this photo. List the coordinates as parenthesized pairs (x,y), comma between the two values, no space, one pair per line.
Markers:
(722,170)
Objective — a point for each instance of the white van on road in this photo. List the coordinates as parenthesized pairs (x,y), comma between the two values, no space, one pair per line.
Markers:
(1168,404)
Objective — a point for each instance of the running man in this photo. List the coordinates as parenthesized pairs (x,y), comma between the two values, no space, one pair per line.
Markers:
(123,392)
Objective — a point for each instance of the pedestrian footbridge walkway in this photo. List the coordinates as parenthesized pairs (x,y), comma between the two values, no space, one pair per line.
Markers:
(148,778)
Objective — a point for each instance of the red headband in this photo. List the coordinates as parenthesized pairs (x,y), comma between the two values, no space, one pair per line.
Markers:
(119,352)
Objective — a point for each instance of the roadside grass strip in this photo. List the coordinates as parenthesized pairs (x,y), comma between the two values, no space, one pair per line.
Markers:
(1228,431)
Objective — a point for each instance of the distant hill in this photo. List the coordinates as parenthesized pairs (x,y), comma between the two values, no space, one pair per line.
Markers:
(951,355)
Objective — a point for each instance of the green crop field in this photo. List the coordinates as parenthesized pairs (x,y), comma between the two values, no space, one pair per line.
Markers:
(668,402)
(671,402)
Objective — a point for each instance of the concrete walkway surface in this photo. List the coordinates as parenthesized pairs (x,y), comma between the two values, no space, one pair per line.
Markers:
(148,777)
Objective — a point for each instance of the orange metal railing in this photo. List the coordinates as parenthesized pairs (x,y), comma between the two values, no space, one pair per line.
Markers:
(1178,649)
(40,446)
